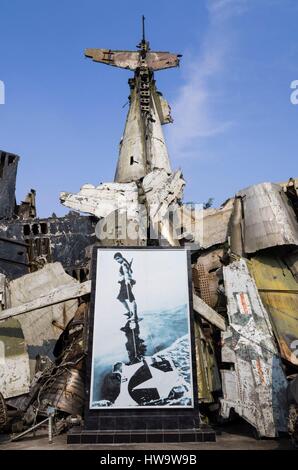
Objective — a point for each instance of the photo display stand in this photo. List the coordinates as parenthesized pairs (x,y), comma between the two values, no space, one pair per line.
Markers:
(141,381)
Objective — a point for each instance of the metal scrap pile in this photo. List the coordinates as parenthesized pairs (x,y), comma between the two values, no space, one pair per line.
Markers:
(244,295)
(245,274)
(44,295)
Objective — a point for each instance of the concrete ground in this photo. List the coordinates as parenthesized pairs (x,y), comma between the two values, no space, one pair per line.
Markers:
(232,437)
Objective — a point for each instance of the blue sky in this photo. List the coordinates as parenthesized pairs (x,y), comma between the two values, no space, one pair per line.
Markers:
(234,124)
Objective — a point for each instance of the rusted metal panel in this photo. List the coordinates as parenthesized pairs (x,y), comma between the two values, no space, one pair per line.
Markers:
(256,388)
(207,276)
(278,290)
(269,219)
(203,283)
(103,199)
(162,190)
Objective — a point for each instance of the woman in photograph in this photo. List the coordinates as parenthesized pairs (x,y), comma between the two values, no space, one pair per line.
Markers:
(126,282)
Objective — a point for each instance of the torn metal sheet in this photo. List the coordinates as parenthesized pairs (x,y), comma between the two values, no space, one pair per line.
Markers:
(42,327)
(103,199)
(163,193)
(269,219)
(278,290)
(256,388)
(118,205)
(27,208)
(8,174)
(14,360)
(212,225)
(56,296)
(162,190)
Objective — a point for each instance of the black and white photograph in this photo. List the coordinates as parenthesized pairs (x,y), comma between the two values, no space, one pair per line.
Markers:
(141,337)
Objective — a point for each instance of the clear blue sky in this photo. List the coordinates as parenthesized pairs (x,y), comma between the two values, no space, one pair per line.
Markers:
(234,122)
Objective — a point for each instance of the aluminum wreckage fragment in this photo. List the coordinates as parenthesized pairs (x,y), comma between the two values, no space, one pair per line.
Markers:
(256,388)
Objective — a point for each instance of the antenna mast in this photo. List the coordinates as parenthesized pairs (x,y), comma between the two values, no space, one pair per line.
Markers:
(144,45)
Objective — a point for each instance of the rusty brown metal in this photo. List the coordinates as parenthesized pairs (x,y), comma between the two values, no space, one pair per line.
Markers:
(203,283)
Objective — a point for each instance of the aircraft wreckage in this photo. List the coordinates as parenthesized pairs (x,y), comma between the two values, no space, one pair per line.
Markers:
(244,275)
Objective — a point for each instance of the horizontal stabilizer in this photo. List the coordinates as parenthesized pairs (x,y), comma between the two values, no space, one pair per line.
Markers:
(132,59)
